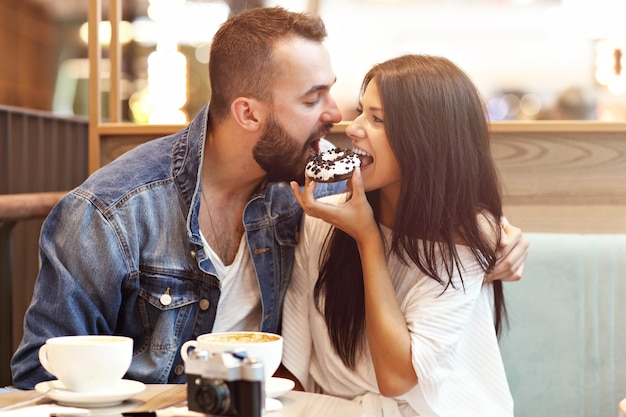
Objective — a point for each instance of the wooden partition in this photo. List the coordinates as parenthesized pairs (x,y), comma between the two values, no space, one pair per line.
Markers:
(557,176)
(563,176)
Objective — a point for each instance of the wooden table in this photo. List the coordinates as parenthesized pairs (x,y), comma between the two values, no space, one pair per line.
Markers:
(157,396)
(154,397)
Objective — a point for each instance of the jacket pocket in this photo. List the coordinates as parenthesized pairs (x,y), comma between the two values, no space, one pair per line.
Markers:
(165,304)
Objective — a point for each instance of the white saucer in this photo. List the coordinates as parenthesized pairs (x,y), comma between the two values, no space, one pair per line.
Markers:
(272,404)
(276,387)
(56,391)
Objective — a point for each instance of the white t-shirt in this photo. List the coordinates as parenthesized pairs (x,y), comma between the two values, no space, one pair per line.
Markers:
(453,342)
(239,307)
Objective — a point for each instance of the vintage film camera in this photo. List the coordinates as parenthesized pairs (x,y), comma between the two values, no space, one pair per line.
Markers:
(225,384)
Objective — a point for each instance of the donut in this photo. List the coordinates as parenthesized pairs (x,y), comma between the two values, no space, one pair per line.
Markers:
(332,166)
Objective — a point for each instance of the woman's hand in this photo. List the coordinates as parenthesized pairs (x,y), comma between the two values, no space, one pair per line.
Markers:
(355,216)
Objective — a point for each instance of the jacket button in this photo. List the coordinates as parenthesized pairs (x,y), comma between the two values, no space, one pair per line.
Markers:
(193,254)
(179,370)
(204,304)
(166,298)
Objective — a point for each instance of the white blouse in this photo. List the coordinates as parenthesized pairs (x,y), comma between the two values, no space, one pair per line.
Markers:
(453,341)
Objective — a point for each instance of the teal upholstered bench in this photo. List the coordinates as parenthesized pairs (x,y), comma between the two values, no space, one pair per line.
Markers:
(565,350)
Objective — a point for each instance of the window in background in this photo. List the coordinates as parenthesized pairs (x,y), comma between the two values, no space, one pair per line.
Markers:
(528,57)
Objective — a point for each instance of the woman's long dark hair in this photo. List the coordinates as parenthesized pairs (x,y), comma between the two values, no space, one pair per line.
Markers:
(436,123)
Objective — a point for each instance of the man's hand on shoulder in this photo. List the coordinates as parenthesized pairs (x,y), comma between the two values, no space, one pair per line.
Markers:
(512,254)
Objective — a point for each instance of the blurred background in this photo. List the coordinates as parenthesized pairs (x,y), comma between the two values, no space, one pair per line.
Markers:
(532,59)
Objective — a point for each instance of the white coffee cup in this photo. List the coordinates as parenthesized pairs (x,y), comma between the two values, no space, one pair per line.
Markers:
(87,363)
(266,346)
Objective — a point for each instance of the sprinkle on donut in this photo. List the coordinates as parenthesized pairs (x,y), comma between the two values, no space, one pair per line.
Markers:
(332,166)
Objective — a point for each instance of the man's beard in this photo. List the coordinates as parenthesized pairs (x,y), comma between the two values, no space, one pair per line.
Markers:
(280,155)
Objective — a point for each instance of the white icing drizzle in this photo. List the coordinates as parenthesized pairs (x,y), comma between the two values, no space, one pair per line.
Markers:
(332,164)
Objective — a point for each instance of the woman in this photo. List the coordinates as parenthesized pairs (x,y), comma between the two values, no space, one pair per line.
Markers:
(394,313)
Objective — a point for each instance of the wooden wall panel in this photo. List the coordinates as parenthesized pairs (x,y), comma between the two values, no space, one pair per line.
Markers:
(566,168)
(28,66)
(568,181)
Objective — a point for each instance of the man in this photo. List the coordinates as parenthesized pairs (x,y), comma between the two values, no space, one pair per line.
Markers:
(195,232)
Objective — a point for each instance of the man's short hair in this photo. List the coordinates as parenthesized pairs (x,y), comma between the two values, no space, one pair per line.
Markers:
(241,61)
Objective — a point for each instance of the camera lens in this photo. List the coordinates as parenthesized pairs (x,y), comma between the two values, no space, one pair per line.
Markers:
(213,396)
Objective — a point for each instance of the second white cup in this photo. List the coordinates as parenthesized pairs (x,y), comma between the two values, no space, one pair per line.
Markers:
(266,346)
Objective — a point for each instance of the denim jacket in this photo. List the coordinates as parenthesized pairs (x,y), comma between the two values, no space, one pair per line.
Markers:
(129,234)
